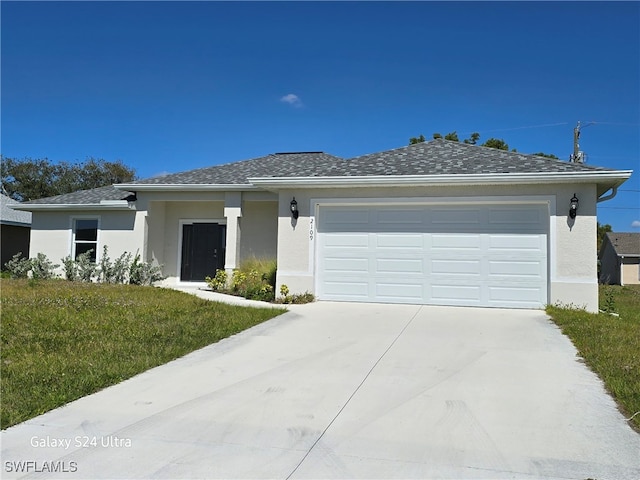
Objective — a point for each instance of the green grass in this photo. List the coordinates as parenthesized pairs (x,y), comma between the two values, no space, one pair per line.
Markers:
(610,345)
(62,340)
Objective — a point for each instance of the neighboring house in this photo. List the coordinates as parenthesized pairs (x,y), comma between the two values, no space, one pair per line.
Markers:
(15,230)
(620,258)
(438,223)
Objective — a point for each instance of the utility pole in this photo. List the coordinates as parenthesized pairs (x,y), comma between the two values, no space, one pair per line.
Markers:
(577,156)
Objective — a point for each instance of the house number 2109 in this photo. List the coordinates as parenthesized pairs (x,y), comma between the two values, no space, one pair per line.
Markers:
(311,229)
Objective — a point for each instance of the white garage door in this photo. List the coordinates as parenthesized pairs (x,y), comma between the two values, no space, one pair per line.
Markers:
(475,255)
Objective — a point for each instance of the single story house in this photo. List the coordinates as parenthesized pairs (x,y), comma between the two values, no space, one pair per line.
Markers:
(620,259)
(15,230)
(438,223)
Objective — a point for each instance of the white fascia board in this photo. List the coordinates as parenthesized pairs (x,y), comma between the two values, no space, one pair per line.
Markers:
(184,187)
(613,178)
(75,206)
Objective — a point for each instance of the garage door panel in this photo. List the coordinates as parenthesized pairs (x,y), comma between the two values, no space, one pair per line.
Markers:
(480,255)
(342,240)
(517,269)
(457,216)
(399,292)
(440,241)
(452,294)
(346,265)
(399,219)
(399,265)
(515,242)
(456,266)
(355,289)
(399,241)
(516,217)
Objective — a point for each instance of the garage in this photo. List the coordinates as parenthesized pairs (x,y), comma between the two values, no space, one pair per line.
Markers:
(489,255)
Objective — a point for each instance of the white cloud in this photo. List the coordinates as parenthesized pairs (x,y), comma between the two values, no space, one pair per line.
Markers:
(635,224)
(292,99)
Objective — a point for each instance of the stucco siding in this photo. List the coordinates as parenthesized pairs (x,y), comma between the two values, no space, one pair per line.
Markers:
(259,230)
(631,271)
(51,233)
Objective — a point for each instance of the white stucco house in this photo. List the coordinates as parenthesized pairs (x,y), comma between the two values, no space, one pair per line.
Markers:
(440,222)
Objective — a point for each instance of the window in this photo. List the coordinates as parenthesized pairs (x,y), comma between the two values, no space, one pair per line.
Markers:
(85,237)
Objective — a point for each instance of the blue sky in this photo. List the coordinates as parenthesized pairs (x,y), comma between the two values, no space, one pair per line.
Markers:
(171,86)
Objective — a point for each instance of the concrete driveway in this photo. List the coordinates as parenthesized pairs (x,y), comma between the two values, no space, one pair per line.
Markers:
(336,390)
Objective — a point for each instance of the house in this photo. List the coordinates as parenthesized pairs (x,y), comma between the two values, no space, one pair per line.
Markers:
(441,223)
(15,230)
(620,259)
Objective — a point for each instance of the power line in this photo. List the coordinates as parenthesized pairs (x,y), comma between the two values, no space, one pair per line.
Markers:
(621,208)
(519,128)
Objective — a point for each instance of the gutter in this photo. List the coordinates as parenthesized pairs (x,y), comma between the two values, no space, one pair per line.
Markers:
(616,177)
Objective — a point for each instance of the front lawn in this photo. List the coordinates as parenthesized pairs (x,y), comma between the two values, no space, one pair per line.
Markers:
(610,345)
(61,340)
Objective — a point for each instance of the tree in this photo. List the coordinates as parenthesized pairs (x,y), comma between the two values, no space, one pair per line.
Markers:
(414,140)
(473,139)
(497,143)
(547,155)
(453,136)
(29,179)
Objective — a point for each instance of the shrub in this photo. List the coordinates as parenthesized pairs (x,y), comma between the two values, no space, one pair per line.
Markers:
(144,273)
(18,266)
(87,269)
(70,268)
(219,282)
(114,272)
(42,268)
(298,298)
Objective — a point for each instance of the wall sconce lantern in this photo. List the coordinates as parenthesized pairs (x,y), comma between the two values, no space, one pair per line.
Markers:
(573,209)
(294,209)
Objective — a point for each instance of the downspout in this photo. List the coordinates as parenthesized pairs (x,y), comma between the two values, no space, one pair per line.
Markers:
(614,192)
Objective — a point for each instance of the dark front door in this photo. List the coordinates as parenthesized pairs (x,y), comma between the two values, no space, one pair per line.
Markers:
(202,251)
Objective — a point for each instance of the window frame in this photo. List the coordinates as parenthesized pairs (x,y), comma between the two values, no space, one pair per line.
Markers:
(74,242)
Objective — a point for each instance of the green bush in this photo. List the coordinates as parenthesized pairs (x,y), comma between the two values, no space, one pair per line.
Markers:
(255,280)
(18,266)
(219,282)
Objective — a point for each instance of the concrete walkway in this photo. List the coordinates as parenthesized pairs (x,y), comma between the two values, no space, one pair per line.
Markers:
(337,390)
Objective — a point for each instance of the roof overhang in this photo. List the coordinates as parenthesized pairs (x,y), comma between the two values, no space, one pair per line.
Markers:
(184,187)
(604,179)
(108,205)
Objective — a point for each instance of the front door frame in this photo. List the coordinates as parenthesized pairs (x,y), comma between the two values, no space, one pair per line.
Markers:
(190,221)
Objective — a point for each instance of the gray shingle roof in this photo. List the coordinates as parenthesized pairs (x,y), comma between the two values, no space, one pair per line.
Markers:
(625,244)
(443,157)
(436,157)
(10,216)
(278,164)
(95,195)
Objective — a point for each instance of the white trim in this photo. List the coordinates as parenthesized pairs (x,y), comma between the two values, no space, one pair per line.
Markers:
(471,179)
(72,230)
(191,221)
(184,187)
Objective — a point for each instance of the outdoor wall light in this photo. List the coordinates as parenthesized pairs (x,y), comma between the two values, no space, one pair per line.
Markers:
(294,209)
(573,209)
